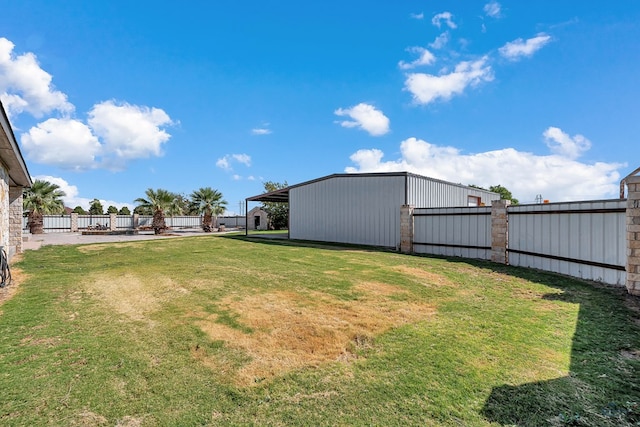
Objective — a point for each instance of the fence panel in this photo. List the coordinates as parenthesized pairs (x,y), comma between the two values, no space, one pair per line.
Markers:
(232,221)
(86,222)
(184,221)
(580,239)
(463,232)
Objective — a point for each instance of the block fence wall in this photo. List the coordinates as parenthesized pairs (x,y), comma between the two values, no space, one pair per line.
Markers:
(593,240)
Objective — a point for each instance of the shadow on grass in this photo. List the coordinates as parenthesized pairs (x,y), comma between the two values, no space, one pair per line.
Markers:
(269,239)
(603,385)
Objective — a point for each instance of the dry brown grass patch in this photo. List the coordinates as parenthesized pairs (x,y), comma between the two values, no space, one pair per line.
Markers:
(17,277)
(424,276)
(131,296)
(292,330)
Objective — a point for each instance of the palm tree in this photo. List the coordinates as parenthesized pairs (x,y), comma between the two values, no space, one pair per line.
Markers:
(42,198)
(157,201)
(208,202)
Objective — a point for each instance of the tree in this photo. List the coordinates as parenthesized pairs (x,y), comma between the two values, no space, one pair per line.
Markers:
(157,201)
(124,211)
(277,212)
(504,193)
(95,208)
(42,198)
(208,202)
(79,210)
(112,210)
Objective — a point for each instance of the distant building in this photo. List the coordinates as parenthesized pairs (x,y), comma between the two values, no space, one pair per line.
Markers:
(364,208)
(14,177)
(257,219)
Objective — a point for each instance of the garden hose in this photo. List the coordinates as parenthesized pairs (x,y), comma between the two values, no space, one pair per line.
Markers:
(5,272)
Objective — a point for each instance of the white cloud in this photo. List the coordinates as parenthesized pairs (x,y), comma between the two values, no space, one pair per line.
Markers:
(129,131)
(427,88)
(565,145)
(25,87)
(366,117)
(425,58)
(492,9)
(226,161)
(65,143)
(72,195)
(440,41)
(417,15)
(260,131)
(519,48)
(447,17)
(556,177)
(242,158)
(236,177)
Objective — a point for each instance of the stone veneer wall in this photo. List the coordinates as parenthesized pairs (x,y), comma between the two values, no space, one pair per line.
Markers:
(15,219)
(406,229)
(4,208)
(633,235)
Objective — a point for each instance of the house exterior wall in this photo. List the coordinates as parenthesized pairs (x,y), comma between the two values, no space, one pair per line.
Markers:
(348,209)
(4,208)
(15,220)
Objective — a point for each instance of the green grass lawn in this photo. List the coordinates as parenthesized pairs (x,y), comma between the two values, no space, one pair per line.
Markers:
(232,331)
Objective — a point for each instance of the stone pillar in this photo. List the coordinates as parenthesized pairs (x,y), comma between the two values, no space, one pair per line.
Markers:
(499,231)
(15,219)
(74,222)
(406,229)
(113,222)
(135,221)
(633,235)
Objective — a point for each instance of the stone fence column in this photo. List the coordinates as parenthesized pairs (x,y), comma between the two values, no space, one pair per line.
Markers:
(15,219)
(406,229)
(74,222)
(633,235)
(113,222)
(499,231)
(135,221)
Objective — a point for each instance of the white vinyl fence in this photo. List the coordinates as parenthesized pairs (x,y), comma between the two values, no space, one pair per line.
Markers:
(463,232)
(580,239)
(583,239)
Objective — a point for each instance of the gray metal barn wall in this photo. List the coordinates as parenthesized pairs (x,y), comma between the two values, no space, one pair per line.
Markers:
(593,232)
(428,193)
(463,232)
(360,210)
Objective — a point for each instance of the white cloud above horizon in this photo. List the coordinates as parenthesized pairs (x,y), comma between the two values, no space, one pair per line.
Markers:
(366,117)
(493,9)
(417,16)
(440,41)
(562,144)
(428,88)
(261,131)
(26,87)
(72,195)
(424,58)
(447,17)
(225,162)
(556,177)
(115,134)
(521,48)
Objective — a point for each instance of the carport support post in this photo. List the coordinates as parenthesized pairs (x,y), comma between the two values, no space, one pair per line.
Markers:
(633,235)
(406,229)
(500,231)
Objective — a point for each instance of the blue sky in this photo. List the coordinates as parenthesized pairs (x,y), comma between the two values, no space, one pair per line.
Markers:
(110,98)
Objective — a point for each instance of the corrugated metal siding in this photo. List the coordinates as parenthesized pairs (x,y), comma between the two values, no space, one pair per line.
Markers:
(84,221)
(428,193)
(571,232)
(463,232)
(359,210)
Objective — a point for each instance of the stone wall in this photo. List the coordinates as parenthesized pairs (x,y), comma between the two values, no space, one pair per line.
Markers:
(15,219)
(4,208)
(633,235)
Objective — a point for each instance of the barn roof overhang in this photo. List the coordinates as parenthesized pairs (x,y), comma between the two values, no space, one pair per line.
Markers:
(278,196)
(10,155)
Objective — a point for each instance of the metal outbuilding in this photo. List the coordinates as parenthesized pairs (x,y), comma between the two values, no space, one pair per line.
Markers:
(365,208)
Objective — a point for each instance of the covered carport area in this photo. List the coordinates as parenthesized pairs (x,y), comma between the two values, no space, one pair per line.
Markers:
(277,196)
